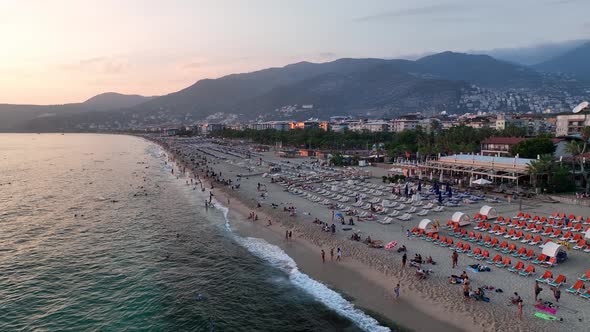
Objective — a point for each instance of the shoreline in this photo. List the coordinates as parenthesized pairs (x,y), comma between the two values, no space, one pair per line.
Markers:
(406,312)
(423,304)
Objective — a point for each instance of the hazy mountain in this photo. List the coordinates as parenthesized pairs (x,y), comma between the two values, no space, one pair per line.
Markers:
(364,87)
(575,62)
(220,95)
(382,90)
(532,55)
(225,94)
(482,70)
(112,100)
(14,117)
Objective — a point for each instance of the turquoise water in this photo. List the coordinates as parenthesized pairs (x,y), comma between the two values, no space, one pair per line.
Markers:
(97,235)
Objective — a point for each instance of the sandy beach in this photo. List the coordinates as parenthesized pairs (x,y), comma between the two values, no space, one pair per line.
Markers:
(368,275)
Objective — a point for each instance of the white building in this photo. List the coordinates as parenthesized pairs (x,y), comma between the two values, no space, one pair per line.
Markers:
(571,124)
(399,125)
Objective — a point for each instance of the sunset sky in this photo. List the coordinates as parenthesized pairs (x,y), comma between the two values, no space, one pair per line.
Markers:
(60,51)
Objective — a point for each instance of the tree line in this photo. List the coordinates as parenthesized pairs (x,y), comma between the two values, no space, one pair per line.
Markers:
(418,142)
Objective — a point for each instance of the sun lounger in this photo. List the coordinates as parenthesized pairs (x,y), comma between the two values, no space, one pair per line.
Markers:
(581,244)
(560,280)
(585,277)
(586,295)
(400,207)
(545,277)
(519,253)
(505,262)
(528,271)
(550,262)
(576,288)
(540,259)
(496,259)
(385,221)
(475,252)
(517,268)
(395,213)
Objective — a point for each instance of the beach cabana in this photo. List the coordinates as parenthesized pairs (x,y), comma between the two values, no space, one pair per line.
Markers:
(552,249)
(461,219)
(427,226)
(489,212)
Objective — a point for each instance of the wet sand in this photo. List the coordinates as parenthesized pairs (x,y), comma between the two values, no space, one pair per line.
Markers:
(369,275)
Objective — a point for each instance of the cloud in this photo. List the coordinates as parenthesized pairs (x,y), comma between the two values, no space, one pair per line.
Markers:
(101,65)
(193,65)
(563,2)
(415,11)
(327,55)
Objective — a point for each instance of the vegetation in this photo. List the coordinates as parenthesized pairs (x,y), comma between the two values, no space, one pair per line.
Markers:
(546,174)
(417,142)
(578,149)
(534,147)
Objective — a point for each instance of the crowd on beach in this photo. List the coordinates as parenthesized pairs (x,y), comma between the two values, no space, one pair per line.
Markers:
(201,165)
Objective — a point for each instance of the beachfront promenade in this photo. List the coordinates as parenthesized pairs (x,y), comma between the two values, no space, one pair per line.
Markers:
(384,212)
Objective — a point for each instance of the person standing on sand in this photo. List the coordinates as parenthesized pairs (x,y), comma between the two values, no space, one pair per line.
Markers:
(556,294)
(290,235)
(404,260)
(408,233)
(396,291)
(538,290)
(338,254)
(323,256)
(286,235)
(331,254)
(454,258)
(520,309)
(332,215)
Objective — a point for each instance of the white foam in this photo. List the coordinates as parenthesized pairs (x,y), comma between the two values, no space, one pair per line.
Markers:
(276,257)
(279,259)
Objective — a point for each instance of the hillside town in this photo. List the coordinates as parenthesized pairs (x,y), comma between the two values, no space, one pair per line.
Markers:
(532,124)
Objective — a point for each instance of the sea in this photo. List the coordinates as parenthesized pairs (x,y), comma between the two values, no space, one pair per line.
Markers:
(97,234)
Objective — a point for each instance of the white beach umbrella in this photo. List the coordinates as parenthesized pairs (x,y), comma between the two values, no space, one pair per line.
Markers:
(482,181)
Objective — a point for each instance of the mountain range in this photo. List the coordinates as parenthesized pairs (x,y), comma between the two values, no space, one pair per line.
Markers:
(361,87)
(16,117)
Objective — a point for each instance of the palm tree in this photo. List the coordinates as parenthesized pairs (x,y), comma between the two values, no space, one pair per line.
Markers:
(541,167)
(577,150)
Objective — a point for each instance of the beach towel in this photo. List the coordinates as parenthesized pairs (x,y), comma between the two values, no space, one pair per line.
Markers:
(550,310)
(545,316)
(391,245)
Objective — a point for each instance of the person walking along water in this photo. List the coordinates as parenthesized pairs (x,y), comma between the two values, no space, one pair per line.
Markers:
(396,291)
(404,260)
(338,254)
(323,256)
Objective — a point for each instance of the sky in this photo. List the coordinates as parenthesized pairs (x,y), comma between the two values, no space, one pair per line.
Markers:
(62,51)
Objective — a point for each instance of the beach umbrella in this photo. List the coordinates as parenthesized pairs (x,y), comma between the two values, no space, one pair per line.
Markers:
(338,214)
(482,181)
(419,185)
(440,197)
